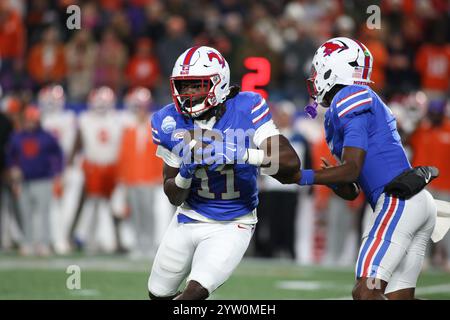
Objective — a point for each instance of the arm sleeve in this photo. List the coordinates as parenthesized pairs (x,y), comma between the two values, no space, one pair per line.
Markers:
(155,130)
(267,130)
(168,157)
(259,112)
(356,132)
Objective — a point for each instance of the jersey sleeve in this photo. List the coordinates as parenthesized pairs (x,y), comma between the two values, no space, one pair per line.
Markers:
(156,130)
(260,111)
(356,132)
(267,130)
(261,118)
(169,158)
(353,108)
(164,149)
(352,101)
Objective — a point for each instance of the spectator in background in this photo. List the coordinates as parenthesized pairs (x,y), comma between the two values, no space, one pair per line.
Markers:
(12,44)
(433,64)
(47,61)
(431,147)
(90,18)
(81,55)
(39,15)
(400,75)
(143,67)
(35,161)
(12,106)
(6,129)
(297,57)
(176,40)
(111,61)
(142,179)
(155,17)
(277,209)
(374,41)
(256,45)
(121,26)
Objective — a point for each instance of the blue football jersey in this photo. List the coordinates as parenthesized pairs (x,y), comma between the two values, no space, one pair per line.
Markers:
(357,117)
(232,192)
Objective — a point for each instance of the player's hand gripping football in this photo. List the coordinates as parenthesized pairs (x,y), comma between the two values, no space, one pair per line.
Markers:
(219,153)
(189,163)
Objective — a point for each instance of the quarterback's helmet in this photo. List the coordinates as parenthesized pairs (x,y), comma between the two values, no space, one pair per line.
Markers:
(339,61)
(200,80)
(102,99)
(51,98)
(138,98)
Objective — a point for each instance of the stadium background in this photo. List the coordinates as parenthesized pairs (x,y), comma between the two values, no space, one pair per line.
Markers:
(306,241)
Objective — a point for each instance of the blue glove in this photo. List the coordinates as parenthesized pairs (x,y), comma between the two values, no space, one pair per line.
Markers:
(219,153)
(188,164)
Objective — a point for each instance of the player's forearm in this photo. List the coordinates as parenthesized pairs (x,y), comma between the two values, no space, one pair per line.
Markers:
(280,154)
(174,193)
(341,174)
(345,173)
(289,167)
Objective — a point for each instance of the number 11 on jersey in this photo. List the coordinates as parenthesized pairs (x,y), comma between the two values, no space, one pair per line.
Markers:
(205,192)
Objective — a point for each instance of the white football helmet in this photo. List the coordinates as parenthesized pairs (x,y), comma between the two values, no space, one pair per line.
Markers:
(102,100)
(339,61)
(51,99)
(137,98)
(205,73)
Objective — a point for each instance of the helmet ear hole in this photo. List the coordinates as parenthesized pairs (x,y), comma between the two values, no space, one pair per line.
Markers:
(327,74)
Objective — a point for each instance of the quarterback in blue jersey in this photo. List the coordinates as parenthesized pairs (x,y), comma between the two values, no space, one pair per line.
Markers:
(361,133)
(214,140)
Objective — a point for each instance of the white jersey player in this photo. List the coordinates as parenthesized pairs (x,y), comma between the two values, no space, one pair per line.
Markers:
(101,128)
(62,123)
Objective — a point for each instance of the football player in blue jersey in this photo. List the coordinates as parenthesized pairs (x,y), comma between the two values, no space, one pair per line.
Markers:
(211,178)
(361,133)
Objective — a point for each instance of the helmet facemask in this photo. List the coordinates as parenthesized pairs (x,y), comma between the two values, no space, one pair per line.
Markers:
(193,95)
(310,85)
(319,83)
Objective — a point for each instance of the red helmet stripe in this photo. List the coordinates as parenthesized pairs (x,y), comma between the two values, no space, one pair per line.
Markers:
(189,55)
(366,60)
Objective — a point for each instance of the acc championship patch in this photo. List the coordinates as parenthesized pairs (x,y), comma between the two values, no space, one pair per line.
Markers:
(168,124)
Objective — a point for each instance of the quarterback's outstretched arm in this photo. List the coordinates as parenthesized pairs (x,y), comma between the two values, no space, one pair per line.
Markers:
(175,194)
(347,172)
(342,176)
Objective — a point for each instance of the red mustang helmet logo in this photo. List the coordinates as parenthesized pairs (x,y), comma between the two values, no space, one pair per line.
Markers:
(331,47)
(213,55)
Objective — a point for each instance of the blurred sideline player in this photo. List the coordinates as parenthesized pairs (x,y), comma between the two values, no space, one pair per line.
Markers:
(139,170)
(35,161)
(100,132)
(361,133)
(216,194)
(63,125)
